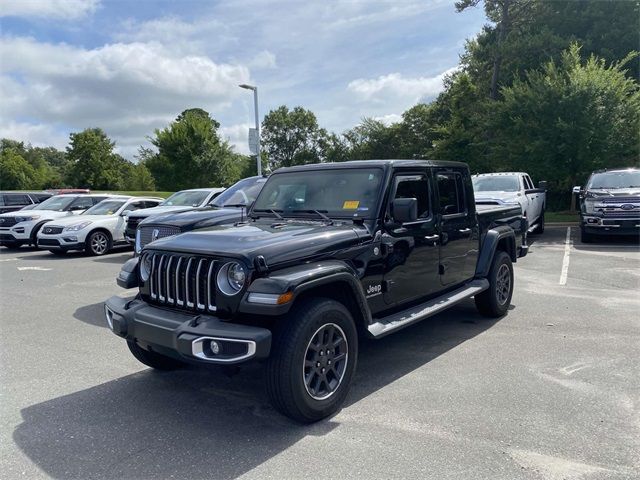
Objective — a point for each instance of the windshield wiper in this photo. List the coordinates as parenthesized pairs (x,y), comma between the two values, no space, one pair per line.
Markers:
(320,213)
(271,211)
(234,205)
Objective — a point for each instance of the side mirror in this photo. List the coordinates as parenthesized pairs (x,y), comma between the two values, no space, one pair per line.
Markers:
(542,185)
(405,210)
(577,189)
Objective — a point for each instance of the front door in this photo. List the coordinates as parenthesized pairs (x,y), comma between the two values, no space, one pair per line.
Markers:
(459,243)
(410,250)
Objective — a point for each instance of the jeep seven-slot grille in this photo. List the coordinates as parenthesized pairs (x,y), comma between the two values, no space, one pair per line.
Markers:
(150,233)
(184,282)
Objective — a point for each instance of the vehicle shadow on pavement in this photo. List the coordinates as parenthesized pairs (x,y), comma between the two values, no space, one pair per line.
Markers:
(117,256)
(612,244)
(197,422)
(91,314)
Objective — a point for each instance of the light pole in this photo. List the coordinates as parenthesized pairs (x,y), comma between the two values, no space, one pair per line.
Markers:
(257,129)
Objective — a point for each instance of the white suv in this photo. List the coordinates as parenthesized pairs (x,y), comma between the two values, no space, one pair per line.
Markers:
(97,230)
(21,227)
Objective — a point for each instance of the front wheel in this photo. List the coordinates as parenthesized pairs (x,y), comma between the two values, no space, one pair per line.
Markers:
(495,301)
(313,360)
(586,237)
(98,243)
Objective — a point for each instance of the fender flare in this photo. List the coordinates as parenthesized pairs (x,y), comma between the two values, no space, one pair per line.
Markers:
(302,278)
(491,240)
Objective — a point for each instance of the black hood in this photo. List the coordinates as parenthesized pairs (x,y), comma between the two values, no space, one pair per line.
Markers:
(275,240)
(195,218)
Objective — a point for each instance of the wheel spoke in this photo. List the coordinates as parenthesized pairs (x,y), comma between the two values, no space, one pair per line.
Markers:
(325,361)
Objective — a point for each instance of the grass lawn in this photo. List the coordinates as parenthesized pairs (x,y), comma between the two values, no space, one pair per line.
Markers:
(561,217)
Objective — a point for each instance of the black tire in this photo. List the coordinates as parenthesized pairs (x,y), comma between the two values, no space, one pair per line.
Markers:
(304,381)
(98,243)
(540,226)
(495,301)
(60,253)
(586,237)
(153,359)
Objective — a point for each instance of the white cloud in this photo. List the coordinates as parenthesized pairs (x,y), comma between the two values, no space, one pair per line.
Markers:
(61,9)
(264,59)
(127,89)
(38,135)
(237,135)
(396,85)
(389,119)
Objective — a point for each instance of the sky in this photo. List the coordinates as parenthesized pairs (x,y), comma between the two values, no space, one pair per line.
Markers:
(131,66)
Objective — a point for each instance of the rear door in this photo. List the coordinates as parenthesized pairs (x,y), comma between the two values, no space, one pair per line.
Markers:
(534,198)
(458,226)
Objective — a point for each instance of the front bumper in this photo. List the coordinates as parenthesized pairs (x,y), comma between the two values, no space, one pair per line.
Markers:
(8,239)
(610,226)
(187,337)
(18,234)
(62,244)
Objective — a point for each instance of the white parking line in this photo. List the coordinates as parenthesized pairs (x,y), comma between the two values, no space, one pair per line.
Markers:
(39,269)
(565,260)
(8,259)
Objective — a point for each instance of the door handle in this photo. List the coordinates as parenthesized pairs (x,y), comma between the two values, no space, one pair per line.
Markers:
(432,238)
(465,230)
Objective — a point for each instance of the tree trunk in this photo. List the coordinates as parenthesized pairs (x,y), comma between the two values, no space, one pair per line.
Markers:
(502,31)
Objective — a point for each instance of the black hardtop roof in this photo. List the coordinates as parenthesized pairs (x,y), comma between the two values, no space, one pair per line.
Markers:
(392,163)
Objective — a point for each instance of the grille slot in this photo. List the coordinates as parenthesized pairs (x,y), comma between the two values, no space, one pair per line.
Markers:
(7,221)
(186,282)
(52,230)
(147,233)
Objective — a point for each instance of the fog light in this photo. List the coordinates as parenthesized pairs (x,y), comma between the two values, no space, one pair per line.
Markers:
(215,347)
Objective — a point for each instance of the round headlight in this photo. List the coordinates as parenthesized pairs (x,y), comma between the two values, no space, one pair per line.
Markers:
(146,263)
(231,278)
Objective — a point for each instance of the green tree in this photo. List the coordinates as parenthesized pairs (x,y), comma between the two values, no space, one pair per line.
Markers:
(15,172)
(568,119)
(291,137)
(139,178)
(191,154)
(93,163)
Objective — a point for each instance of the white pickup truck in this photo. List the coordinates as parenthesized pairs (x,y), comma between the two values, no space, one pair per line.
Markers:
(513,187)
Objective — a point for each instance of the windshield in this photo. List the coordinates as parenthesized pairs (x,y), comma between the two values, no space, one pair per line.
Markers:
(186,199)
(57,203)
(502,183)
(607,180)
(105,207)
(339,192)
(243,192)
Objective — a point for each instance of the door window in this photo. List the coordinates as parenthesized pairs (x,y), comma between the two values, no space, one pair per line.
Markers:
(81,203)
(13,199)
(528,184)
(414,186)
(451,193)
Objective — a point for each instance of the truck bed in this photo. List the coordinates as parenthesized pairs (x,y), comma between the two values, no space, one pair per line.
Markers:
(493,215)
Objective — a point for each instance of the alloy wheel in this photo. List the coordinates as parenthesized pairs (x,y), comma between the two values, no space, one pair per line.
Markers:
(503,284)
(325,361)
(99,243)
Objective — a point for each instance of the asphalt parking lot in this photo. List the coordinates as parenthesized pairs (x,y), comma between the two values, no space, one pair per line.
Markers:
(550,391)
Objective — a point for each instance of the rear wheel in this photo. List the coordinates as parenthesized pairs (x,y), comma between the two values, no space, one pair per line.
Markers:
(152,359)
(495,301)
(313,360)
(98,243)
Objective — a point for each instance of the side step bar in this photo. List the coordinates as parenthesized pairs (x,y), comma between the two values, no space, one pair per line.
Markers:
(396,321)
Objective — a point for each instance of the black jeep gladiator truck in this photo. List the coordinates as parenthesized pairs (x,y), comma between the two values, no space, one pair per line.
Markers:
(328,253)
(610,204)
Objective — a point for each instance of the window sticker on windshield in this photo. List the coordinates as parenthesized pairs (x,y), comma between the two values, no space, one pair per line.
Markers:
(350,204)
